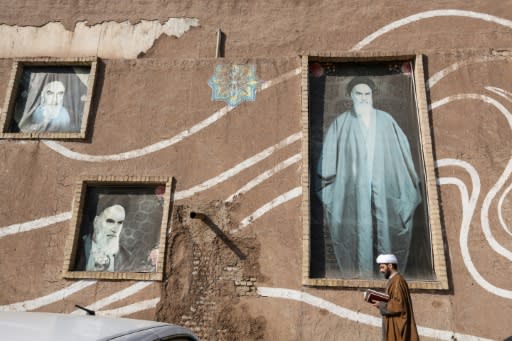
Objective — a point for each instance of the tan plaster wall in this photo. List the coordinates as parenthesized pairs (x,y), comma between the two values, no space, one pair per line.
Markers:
(143,101)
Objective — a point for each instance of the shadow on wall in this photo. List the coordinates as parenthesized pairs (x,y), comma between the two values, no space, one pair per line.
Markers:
(222,236)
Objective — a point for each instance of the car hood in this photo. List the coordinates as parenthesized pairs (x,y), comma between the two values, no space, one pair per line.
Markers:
(56,327)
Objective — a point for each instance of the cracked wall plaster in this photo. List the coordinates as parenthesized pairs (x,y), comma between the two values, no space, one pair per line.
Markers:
(106,40)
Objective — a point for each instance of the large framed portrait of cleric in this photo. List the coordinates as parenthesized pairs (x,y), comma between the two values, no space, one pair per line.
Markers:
(118,228)
(48,98)
(369,172)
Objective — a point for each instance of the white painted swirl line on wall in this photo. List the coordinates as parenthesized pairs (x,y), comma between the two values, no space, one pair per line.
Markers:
(131,308)
(435,78)
(356,316)
(467,213)
(34,224)
(117,296)
(72,289)
(59,148)
(500,92)
(426,15)
(47,299)
(484,213)
(500,210)
(238,168)
(297,191)
(265,175)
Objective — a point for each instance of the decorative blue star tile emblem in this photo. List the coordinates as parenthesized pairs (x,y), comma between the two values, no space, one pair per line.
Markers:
(234,83)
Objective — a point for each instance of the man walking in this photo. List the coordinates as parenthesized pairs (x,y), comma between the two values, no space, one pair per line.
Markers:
(398,322)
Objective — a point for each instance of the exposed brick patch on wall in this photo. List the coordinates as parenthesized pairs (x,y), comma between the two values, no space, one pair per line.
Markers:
(209,273)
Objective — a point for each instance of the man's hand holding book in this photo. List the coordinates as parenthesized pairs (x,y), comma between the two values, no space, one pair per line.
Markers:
(373,296)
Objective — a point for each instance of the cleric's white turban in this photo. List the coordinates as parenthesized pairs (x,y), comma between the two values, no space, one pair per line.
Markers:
(387,259)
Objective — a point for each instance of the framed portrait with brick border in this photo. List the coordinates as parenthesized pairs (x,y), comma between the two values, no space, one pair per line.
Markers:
(368,177)
(118,228)
(48,98)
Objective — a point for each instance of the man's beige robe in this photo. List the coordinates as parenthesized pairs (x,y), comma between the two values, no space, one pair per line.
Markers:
(398,315)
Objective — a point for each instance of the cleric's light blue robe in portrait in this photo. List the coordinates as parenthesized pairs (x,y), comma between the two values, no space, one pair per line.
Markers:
(369,189)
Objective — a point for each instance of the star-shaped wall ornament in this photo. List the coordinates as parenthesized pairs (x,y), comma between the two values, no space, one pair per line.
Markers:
(234,83)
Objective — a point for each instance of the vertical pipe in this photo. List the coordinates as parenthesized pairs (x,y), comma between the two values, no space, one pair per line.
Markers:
(217,50)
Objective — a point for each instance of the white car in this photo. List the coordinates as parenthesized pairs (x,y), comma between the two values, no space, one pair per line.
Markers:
(30,326)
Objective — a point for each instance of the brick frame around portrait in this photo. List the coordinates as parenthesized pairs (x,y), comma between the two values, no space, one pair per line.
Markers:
(19,66)
(122,190)
(439,280)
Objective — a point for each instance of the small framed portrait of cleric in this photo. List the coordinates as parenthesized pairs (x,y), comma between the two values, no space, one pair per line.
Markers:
(369,172)
(118,228)
(48,98)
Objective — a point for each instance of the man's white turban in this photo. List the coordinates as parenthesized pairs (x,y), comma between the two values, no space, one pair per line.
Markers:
(387,259)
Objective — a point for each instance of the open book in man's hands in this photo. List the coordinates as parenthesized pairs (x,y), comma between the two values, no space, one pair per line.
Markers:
(372,296)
